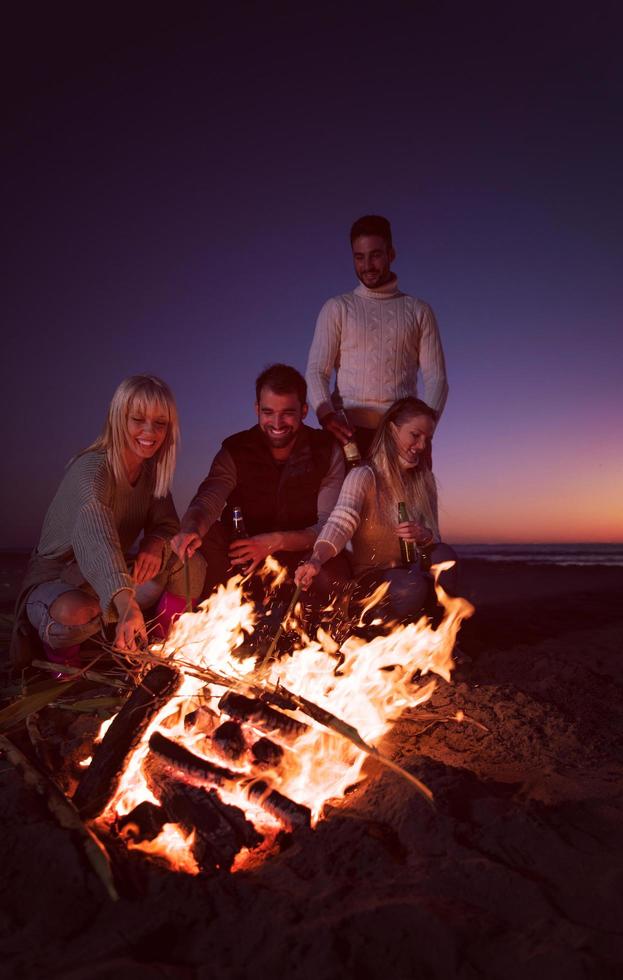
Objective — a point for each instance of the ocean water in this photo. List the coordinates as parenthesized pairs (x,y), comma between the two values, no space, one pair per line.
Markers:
(545,554)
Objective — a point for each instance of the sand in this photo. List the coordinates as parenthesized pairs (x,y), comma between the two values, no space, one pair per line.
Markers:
(518,873)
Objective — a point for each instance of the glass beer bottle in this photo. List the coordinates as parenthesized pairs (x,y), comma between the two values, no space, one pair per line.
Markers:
(408,550)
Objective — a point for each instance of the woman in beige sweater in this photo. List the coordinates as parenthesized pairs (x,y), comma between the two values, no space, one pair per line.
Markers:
(112,492)
(367,514)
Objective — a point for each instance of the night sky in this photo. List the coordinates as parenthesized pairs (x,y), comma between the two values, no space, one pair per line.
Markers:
(178,198)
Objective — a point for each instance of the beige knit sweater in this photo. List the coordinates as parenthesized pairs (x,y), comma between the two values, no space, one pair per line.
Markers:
(355,518)
(375,340)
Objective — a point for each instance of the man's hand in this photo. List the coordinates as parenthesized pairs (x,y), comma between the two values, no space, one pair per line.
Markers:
(148,561)
(251,552)
(185,544)
(305,574)
(412,531)
(131,623)
(343,433)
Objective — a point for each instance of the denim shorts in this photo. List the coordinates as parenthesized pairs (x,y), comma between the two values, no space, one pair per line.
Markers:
(56,634)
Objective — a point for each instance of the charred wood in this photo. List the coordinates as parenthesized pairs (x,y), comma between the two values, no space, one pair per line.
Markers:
(144,822)
(100,780)
(261,716)
(172,759)
(229,741)
(168,761)
(221,830)
(266,754)
(290,814)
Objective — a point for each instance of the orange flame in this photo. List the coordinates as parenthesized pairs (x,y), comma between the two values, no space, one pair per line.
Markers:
(372,688)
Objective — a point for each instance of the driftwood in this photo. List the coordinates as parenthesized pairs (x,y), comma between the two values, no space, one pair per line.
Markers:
(100,780)
(261,716)
(65,813)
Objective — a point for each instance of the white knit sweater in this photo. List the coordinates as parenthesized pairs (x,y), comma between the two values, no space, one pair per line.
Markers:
(375,341)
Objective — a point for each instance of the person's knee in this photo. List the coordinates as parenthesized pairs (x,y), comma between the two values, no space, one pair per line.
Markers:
(442,552)
(407,593)
(74,608)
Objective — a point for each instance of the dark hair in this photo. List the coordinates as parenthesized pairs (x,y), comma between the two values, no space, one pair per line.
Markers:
(372,224)
(283,380)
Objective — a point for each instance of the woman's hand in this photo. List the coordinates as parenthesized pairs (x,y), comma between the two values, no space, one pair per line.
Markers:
(148,561)
(185,544)
(131,623)
(412,531)
(305,574)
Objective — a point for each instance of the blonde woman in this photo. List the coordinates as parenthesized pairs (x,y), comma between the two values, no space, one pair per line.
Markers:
(114,491)
(367,514)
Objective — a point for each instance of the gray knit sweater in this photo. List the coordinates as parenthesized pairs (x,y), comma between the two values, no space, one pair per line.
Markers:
(91,524)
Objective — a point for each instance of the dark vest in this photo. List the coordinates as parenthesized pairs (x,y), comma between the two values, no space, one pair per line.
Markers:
(277,497)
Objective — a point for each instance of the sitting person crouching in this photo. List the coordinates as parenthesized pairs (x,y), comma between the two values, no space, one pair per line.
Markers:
(366,513)
(78,578)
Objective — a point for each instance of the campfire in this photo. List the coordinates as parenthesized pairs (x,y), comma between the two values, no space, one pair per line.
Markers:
(216,754)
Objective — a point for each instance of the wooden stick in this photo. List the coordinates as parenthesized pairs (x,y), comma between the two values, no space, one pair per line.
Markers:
(65,812)
(189,603)
(280,628)
(91,675)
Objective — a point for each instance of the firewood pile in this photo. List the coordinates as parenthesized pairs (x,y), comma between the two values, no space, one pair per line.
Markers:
(241,746)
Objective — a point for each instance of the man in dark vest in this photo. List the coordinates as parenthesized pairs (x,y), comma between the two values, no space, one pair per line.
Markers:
(284,476)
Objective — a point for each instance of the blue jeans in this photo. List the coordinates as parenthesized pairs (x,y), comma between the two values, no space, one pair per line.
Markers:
(410,588)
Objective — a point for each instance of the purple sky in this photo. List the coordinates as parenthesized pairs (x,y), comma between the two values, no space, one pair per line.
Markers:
(179,195)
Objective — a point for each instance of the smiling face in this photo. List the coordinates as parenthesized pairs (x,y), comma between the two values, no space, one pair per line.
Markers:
(411,438)
(280,418)
(147,427)
(372,258)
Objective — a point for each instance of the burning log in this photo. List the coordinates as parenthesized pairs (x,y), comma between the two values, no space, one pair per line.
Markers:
(287,812)
(266,754)
(100,780)
(144,822)
(171,759)
(221,830)
(261,716)
(229,741)
(167,759)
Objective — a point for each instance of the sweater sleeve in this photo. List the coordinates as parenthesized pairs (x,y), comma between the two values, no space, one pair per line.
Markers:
(346,515)
(324,358)
(330,487)
(95,540)
(432,362)
(207,505)
(162,523)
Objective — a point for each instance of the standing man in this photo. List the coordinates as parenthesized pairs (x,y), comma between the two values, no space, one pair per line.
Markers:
(284,476)
(375,339)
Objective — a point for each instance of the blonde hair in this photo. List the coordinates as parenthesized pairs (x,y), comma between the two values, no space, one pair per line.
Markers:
(415,486)
(140,392)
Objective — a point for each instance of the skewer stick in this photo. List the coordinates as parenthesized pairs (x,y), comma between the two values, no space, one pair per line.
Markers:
(189,604)
(280,628)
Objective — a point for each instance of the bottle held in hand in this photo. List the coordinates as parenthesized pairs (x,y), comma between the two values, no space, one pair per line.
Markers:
(239,531)
(351,449)
(408,550)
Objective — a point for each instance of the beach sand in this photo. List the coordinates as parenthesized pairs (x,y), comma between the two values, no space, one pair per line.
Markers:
(517,873)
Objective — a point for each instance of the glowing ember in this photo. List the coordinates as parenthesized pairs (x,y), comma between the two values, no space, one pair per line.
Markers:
(309,764)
